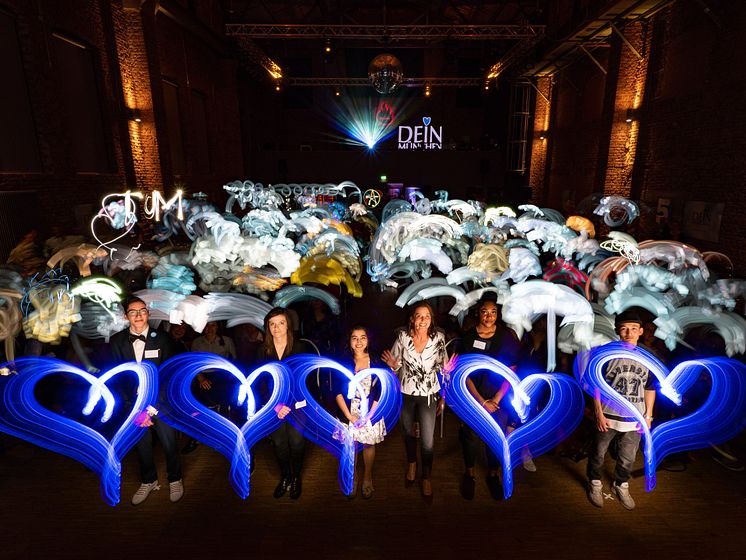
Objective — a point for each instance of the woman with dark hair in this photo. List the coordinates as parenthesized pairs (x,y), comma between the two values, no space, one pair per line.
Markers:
(369,435)
(417,356)
(289,444)
(491,338)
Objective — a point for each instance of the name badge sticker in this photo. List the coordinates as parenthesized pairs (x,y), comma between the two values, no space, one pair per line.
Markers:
(480,345)
(152,353)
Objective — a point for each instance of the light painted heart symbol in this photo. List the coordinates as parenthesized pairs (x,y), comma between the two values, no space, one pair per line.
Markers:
(719,418)
(22,416)
(426,121)
(181,409)
(317,425)
(556,420)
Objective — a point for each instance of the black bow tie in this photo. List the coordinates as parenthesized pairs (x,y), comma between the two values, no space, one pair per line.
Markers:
(134,337)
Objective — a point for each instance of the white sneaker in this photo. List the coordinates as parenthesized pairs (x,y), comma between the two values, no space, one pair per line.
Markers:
(528,461)
(176,490)
(622,492)
(143,492)
(595,493)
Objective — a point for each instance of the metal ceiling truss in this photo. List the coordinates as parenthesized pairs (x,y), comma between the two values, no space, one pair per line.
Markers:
(383,32)
(365,82)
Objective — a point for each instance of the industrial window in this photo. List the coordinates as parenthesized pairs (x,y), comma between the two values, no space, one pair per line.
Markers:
(19,149)
(173,123)
(78,92)
(200,136)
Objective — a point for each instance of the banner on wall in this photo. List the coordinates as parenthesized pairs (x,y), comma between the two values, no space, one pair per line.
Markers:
(420,137)
(702,220)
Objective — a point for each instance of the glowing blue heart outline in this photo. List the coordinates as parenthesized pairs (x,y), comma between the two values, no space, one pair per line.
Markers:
(312,414)
(180,409)
(426,121)
(727,395)
(24,417)
(563,410)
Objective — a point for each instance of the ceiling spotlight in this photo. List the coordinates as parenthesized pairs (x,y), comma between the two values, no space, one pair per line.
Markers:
(278,87)
(427,89)
(487,85)
(337,92)
(327,45)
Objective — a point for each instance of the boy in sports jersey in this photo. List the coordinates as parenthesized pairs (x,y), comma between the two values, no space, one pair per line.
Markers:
(635,383)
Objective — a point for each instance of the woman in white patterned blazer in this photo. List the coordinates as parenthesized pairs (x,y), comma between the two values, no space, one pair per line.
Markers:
(417,356)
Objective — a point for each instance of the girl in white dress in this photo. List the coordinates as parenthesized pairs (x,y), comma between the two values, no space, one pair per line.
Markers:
(369,435)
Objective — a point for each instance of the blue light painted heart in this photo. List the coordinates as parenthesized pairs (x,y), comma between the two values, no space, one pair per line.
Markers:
(317,425)
(22,416)
(718,419)
(426,121)
(181,409)
(556,421)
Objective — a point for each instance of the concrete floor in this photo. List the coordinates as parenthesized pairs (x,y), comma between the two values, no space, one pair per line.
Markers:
(51,508)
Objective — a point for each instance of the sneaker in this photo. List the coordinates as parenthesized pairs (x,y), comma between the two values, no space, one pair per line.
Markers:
(622,492)
(595,493)
(528,461)
(143,492)
(467,486)
(729,462)
(176,490)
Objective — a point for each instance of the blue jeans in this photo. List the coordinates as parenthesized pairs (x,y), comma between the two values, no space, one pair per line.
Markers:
(628,444)
(425,412)
(167,436)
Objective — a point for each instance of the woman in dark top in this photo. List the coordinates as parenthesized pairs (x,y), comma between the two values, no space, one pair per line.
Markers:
(492,339)
(289,444)
(369,435)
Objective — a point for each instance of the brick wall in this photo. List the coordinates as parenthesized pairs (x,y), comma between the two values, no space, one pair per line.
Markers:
(128,52)
(685,141)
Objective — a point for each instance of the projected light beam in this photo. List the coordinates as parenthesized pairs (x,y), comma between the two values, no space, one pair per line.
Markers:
(365,124)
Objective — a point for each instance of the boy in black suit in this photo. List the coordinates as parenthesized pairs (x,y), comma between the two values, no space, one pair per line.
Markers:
(139,343)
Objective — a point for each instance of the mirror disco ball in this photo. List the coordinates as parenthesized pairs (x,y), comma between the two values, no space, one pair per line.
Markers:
(385,72)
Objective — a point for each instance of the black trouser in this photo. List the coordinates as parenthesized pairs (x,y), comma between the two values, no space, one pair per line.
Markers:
(470,444)
(289,447)
(167,436)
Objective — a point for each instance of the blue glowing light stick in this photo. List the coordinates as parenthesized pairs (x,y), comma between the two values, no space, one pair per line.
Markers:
(720,418)
(22,416)
(180,408)
(557,419)
(317,425)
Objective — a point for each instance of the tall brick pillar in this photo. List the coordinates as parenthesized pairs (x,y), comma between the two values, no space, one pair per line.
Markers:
(136,88)
(630,77)
(541,141)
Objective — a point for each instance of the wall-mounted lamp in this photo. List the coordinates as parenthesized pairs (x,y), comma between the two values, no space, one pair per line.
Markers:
(631,116)
(543,135)
(134,115)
